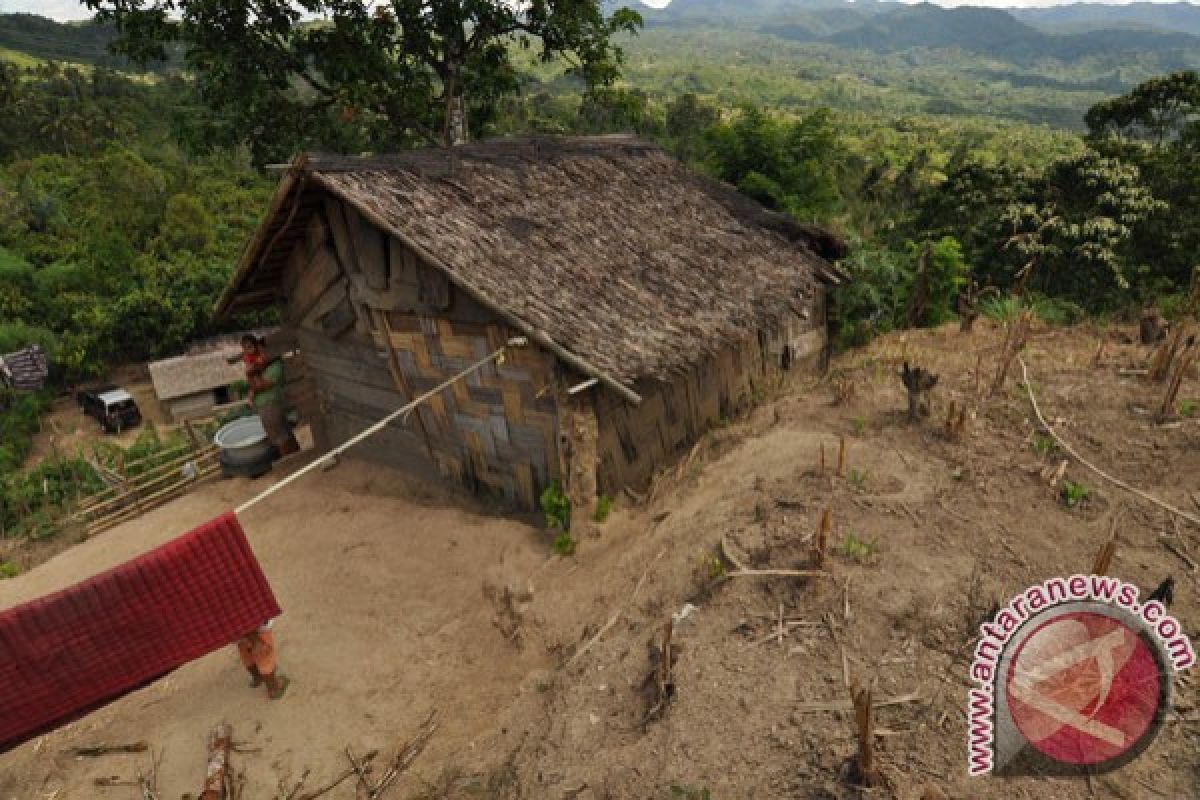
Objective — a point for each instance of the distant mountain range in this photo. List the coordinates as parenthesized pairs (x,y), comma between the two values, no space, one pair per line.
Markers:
(1067,33)
(1169,33)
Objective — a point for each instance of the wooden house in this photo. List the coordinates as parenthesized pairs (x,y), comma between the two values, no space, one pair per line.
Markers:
(656,302)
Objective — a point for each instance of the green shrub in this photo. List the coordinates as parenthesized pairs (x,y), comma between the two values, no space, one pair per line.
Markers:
(9,569)
(564,544)
(1073,493)
(1004,308)
(1187,408)
(1043,444)
(1057,311)
(556,507)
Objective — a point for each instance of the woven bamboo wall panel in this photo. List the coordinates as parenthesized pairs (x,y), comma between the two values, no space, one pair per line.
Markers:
(635,441)
(497,429)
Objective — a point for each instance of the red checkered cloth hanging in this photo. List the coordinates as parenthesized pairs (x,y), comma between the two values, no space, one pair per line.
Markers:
(69,653)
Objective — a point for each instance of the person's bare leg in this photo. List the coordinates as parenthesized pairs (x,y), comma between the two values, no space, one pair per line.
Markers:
(256,677)
(276,685)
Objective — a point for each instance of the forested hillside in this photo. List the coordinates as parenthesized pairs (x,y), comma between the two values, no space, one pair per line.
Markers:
(1072,180)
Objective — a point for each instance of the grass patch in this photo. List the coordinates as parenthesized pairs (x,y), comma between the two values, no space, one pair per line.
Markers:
(1043,444)
(858,477)
(690,793)
(859,550)
(604,505)
(9,569)
(1187,408)
(1073,493)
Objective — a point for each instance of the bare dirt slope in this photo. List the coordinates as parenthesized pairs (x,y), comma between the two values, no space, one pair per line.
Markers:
(387,615)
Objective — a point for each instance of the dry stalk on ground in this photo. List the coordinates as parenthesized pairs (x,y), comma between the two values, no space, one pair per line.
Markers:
(864,772)
(661,678)
(844,389)
(1184,361)
(1015,339)
(956,421)
(841,465)
(216,779)
(1164,355)
(821,538)
(1104,557)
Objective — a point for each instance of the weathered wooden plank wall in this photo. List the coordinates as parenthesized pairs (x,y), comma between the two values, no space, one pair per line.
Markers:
(376,326)
(635,441)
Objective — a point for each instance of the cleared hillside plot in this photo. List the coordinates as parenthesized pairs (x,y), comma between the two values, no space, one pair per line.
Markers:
(678,652)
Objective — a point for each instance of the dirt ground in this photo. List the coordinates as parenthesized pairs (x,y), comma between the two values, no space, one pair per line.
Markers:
(66,430)
(394,599)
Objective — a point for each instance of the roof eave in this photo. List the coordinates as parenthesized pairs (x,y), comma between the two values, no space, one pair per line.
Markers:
(258,243)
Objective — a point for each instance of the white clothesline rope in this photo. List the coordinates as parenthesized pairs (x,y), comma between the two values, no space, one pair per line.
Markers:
(404,411)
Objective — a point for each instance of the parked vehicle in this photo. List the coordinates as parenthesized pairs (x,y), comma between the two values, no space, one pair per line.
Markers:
(111,406)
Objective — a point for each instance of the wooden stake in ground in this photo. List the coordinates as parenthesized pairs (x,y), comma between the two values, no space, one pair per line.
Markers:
(841,469)
(822,458)
(821,538)
(864,773)
(919,382)
(219,742)
(1104,558)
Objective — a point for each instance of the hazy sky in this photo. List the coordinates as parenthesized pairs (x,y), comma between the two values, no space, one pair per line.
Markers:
(72,9)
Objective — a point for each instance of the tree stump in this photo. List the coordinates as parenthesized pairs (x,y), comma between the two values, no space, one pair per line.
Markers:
(919,382)
(1152,327)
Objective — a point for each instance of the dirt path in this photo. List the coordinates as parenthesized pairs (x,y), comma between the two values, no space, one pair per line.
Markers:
(384,619)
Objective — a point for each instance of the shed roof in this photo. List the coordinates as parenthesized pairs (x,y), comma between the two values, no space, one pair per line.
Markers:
(184,375)
(606,246)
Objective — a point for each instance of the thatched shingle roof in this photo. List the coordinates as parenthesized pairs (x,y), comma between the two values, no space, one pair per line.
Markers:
(606,245)
(184,375)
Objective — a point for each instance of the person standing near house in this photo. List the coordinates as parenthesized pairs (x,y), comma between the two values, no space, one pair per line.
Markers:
(257,651)
(266,378)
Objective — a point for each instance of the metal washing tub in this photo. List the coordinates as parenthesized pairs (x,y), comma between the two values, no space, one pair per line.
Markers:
(245,449)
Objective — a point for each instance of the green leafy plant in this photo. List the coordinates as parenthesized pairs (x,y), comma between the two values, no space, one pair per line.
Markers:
(1043,444)
(564,544)
(860,425)
(1187,408)
(690,793)
(713,566)
(858,477)
(860,550)
(1073,493)
(604,506)
(9,569)
(556,507)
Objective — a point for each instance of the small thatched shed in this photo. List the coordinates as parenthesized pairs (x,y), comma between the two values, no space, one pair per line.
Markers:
(657,302)
(191,386)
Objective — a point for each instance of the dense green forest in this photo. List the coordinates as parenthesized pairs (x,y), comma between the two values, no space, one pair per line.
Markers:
(1067,173)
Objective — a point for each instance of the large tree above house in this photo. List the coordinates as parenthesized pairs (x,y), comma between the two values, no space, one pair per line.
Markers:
(363,74)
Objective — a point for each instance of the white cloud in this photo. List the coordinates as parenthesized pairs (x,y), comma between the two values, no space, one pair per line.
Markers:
(55,9)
